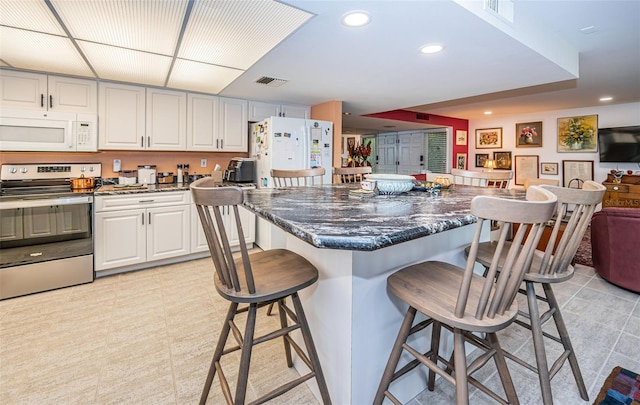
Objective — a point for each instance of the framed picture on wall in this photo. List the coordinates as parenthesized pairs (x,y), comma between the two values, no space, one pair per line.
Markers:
(576,172)
(529,134)
(548,168)
(503,160)
(461,137)
(578,134)
(461,160)
(526,167)
(489,138)
(481,158)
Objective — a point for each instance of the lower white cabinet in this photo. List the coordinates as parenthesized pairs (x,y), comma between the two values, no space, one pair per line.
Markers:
(133,229)
(199,242)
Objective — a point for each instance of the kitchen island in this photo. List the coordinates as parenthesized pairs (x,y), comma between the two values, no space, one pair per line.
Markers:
(356,244)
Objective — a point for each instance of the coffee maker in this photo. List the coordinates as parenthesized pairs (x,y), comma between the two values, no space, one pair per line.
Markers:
(241,170)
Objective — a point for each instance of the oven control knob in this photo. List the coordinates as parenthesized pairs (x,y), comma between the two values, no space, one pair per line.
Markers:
(82,169)
(13,170)
(23,170)
(91,168)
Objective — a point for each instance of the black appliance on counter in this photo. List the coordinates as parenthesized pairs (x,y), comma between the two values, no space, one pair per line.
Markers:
(46,232)
(241,170)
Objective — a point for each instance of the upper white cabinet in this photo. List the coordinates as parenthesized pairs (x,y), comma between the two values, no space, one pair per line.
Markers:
(47,93)
(166,120)
(202,122)
(121,116)
(259,110)
(233,129)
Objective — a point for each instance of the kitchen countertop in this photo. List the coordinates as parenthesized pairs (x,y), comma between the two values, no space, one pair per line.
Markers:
(326,217)
(111,189)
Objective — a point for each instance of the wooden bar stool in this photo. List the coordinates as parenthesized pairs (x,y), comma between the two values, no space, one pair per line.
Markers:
(464,302)
(496,179)
(351,174)
(264,277)
(553,265)
(294,178)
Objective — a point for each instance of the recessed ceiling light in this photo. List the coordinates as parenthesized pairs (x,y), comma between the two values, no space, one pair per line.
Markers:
(608,98)
(346,113)
(431,48)
(356,19)
(488,112)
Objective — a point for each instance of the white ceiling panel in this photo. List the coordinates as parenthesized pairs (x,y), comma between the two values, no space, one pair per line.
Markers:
(45,52)
(201,77)
(148,25)
(126,65)
(237,33)
(29,15)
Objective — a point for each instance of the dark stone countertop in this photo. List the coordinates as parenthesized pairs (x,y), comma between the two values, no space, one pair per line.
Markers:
(326,217)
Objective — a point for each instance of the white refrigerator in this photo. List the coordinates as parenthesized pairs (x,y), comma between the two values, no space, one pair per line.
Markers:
(291,144)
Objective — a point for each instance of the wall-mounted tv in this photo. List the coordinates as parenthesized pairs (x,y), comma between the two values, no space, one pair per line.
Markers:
(619,145)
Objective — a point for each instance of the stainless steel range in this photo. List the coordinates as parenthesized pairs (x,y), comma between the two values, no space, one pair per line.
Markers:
(46,227)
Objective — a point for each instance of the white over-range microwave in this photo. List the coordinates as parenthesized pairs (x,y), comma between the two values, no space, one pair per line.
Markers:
(27,130)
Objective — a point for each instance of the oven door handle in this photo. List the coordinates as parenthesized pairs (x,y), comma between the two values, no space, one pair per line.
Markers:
(44,202)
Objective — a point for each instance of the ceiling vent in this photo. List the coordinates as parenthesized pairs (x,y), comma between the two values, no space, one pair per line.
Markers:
(422,116)
(271,81)
(500,8)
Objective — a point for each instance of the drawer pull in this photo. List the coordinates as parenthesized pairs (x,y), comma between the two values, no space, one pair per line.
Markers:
(615,187)
(145,201)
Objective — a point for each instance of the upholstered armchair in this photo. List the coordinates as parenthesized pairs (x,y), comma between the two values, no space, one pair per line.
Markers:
(615,244)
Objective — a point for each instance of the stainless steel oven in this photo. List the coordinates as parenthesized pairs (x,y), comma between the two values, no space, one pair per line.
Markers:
(46,228)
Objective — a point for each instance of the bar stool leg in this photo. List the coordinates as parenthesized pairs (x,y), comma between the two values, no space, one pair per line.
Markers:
(283,324)
(538,345)
(566,342)
(311,349)
(503,370)
(460,365)
(245,357)
(217,354)
(394,357)
(436,327)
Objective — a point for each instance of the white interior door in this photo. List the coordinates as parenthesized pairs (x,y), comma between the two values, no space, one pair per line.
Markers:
(386,152)
(410,153)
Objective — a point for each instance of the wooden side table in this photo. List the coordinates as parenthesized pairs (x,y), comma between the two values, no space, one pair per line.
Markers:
(623,192)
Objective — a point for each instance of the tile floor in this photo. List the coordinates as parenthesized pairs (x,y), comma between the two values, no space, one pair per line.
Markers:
(147,338)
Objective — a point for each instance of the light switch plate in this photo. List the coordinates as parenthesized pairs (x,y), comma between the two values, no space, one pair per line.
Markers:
(117,165)
(203,162)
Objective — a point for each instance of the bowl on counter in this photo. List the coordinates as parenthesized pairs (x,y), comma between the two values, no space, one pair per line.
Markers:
(392,183)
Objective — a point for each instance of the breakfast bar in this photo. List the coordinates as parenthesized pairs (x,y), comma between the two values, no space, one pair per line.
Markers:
(356,243)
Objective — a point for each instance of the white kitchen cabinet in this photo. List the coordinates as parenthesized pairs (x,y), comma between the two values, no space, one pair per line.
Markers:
(202,122)
(166,117)
(259,110)
(47,93)
(121,112)
(199,241)
(233,127)
(137,228)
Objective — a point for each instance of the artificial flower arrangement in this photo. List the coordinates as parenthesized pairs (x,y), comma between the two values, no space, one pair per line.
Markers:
(359,153)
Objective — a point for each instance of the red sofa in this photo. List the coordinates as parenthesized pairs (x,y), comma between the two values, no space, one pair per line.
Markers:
(615,245)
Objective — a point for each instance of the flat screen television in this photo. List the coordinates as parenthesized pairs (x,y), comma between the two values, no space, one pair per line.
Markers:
(619,145)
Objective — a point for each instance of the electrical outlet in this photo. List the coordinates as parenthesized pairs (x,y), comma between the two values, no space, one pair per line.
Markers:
(117,165)
(203,162)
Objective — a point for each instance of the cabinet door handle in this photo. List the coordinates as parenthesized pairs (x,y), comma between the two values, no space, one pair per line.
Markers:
(142,141)
(221,143)
(41,100)
(217,143)
(143,218)
(149,218)
(148,142)
(50,101)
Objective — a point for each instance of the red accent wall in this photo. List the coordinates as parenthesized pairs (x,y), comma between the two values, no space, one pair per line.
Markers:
(432,119)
